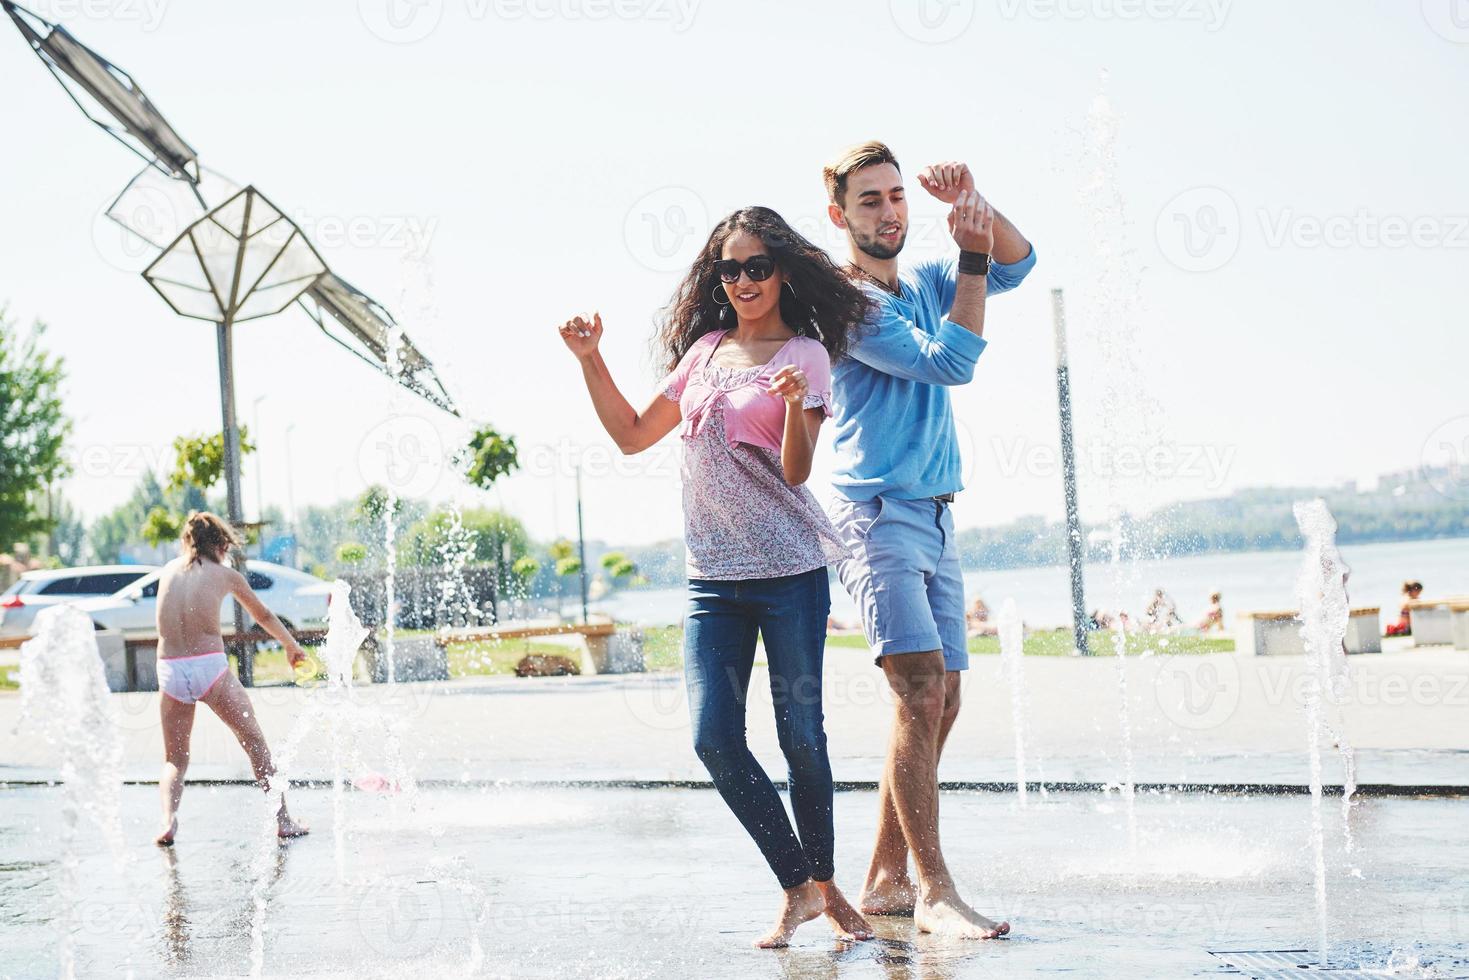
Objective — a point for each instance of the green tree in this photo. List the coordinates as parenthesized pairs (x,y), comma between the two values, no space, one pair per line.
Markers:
(351,553)
(488,456)
(33,429)
(619,566)
(162,525)
(199,460)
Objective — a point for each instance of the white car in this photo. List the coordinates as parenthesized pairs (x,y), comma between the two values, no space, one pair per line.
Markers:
(35,590)
(298,599)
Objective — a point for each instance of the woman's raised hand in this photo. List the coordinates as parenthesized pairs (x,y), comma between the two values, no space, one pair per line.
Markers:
(582,335)
(790,383)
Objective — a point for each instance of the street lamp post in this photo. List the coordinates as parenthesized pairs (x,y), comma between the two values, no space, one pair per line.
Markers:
(1068,465)
(259,482)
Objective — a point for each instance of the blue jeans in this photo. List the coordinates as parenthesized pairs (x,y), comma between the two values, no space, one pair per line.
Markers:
(719,652)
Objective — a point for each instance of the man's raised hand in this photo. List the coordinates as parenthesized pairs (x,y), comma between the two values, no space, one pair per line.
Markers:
(947,180)
(582,335)
(972,223)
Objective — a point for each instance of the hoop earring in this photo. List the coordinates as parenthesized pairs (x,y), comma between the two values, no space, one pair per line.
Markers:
(792,288)
(723,304)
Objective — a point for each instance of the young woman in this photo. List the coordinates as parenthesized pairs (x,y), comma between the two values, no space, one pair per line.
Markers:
(749,339)
(193,667)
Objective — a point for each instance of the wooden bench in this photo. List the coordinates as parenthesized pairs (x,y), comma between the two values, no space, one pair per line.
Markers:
(128,659)
(1276,633)
(1459,617)
(604,649)
(1433,620)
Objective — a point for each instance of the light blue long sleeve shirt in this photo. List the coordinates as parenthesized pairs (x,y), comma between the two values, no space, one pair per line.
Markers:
(893,418)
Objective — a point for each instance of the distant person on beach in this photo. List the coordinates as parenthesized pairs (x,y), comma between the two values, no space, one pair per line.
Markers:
(1412,590)
(193,667)
(1161,615)
(748,343)
(898,469)
(977,619)
(1214,617)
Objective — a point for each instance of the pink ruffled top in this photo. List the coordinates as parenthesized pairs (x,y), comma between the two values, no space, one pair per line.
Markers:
(741,519)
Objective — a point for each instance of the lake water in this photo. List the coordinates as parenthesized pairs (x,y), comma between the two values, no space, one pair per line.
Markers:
(1253,580)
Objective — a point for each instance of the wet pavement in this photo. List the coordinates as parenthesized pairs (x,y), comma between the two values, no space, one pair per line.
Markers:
(1194,719)
(516,882)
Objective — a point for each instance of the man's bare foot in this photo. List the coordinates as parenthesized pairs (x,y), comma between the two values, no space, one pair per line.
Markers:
(165,839)
(887,895)
(948,915)
(286,827)
(845,921)
(802,904)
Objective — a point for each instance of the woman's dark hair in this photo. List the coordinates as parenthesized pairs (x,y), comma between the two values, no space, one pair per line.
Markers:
(206,536)
(821,302)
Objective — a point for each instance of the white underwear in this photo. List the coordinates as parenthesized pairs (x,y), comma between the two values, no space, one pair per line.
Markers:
(187,679)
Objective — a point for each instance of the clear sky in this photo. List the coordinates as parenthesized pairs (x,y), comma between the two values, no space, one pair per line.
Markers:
(1292,295)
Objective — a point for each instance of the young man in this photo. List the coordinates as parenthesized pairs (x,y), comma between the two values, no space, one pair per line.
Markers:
(897,471)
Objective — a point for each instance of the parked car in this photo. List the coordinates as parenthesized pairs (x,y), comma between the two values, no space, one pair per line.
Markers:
(35,590)
(298,599)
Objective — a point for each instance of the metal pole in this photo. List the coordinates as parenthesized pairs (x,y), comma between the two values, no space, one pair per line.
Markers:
(232,442)
(224,333)
(1068,465)
(581,547)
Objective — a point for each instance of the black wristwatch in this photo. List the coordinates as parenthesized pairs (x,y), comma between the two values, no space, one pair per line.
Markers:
(974,263)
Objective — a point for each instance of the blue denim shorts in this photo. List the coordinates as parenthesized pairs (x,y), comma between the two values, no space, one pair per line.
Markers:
(904,575)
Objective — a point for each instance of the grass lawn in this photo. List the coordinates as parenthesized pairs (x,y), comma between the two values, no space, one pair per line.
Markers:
(663,650)
(1057,643)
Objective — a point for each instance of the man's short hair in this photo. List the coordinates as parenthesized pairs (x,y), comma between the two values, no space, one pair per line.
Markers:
(868,154)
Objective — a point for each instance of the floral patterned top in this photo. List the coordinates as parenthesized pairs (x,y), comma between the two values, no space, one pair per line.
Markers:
(742,520)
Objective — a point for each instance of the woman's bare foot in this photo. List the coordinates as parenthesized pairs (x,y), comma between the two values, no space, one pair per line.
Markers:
(845,921)
(165,839)
(802,904)
(948,914)
(885,895)
(286,827)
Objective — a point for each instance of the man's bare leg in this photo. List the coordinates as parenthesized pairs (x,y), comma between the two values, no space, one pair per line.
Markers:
(178,723)
(920,687)
(229,701)
(889,889)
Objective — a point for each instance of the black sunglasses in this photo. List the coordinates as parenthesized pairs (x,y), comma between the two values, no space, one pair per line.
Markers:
(757,267)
